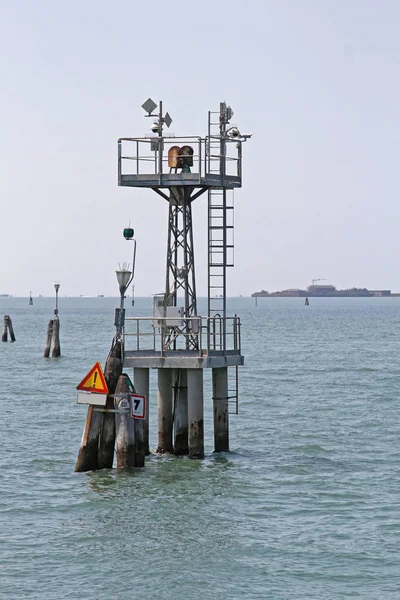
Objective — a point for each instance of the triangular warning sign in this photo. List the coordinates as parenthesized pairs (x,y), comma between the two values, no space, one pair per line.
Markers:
(94,381)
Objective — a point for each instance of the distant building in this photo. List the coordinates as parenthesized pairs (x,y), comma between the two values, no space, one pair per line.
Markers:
(322,290)
(296,292)
(381,292)
(325,291)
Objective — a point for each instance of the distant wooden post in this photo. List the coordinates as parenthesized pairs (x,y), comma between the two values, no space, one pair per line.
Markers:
(8,328)
(4,336)
(49,337)
(56,352)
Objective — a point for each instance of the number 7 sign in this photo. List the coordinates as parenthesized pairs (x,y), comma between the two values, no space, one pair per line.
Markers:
(138,406)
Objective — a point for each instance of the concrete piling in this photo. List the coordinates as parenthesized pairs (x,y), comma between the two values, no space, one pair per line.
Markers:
(164,410)
(181,444)
(195,412)
(141,379)
(221,409)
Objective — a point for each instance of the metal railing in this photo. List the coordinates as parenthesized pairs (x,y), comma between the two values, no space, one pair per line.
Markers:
(199,336)
(149,156)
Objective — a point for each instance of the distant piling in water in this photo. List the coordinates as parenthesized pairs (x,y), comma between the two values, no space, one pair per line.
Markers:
(53,339)
(7,328)
(53,332)
(56,352)
(48,339)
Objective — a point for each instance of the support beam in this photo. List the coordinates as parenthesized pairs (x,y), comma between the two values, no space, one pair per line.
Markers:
(164,410)
(221,409)
(181,413)
(195,413)
(141,379)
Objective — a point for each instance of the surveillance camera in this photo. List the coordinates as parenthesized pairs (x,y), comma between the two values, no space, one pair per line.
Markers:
(246,136)
(154,127)
(234,132)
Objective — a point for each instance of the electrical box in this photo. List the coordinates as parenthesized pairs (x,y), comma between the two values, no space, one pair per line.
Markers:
(158,309)
(174,316)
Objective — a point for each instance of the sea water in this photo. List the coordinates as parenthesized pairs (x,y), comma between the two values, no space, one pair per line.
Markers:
(305,506)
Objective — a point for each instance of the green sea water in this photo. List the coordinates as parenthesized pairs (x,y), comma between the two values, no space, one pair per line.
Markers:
(305,506)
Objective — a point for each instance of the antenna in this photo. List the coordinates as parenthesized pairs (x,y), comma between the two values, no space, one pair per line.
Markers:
(320,279)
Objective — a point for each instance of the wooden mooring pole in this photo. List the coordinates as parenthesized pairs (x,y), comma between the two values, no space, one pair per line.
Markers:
(53,339)
(56,352)
(124,426)
(98,439)
(7,328)
(112,372)
(49,337)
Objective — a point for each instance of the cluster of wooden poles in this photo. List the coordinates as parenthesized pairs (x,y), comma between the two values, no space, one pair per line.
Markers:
(52,337)
(7,329)
(111,427)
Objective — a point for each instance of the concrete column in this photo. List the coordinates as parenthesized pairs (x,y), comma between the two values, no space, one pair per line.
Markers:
(164,410)
(221,412)
(195,413)
(181,413)
(141,383)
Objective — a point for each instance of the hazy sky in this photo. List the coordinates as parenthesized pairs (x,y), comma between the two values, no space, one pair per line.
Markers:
(317,82)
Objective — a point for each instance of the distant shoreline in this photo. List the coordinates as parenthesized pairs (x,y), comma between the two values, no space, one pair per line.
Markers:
(326,291)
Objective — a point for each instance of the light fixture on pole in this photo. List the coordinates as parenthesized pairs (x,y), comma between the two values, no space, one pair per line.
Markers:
(124,277)
(56,287)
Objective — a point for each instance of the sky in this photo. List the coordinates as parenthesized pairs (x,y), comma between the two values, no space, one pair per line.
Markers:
(315,81)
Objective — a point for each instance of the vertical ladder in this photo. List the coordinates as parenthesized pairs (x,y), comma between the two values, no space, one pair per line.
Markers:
(220,247)
(220,229)
(233,390)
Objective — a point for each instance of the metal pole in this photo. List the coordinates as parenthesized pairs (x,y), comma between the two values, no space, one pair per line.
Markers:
(160,152)
(56,287)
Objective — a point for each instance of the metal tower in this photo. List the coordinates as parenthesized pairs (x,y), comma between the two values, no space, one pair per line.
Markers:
(176,340)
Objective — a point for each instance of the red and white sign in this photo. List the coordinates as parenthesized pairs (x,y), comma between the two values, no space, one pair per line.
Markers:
(138,406)
(94,381)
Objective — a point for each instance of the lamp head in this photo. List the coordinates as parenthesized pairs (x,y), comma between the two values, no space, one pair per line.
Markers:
(124,277)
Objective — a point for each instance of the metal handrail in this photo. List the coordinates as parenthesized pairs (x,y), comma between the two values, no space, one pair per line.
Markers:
(204,157)
(209,327)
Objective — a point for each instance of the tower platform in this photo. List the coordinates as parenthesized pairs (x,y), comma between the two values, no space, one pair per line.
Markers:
(146,162)
(167,180)
(187,343)
(181,359)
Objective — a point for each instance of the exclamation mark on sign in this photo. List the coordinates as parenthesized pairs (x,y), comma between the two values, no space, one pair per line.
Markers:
(94,379)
